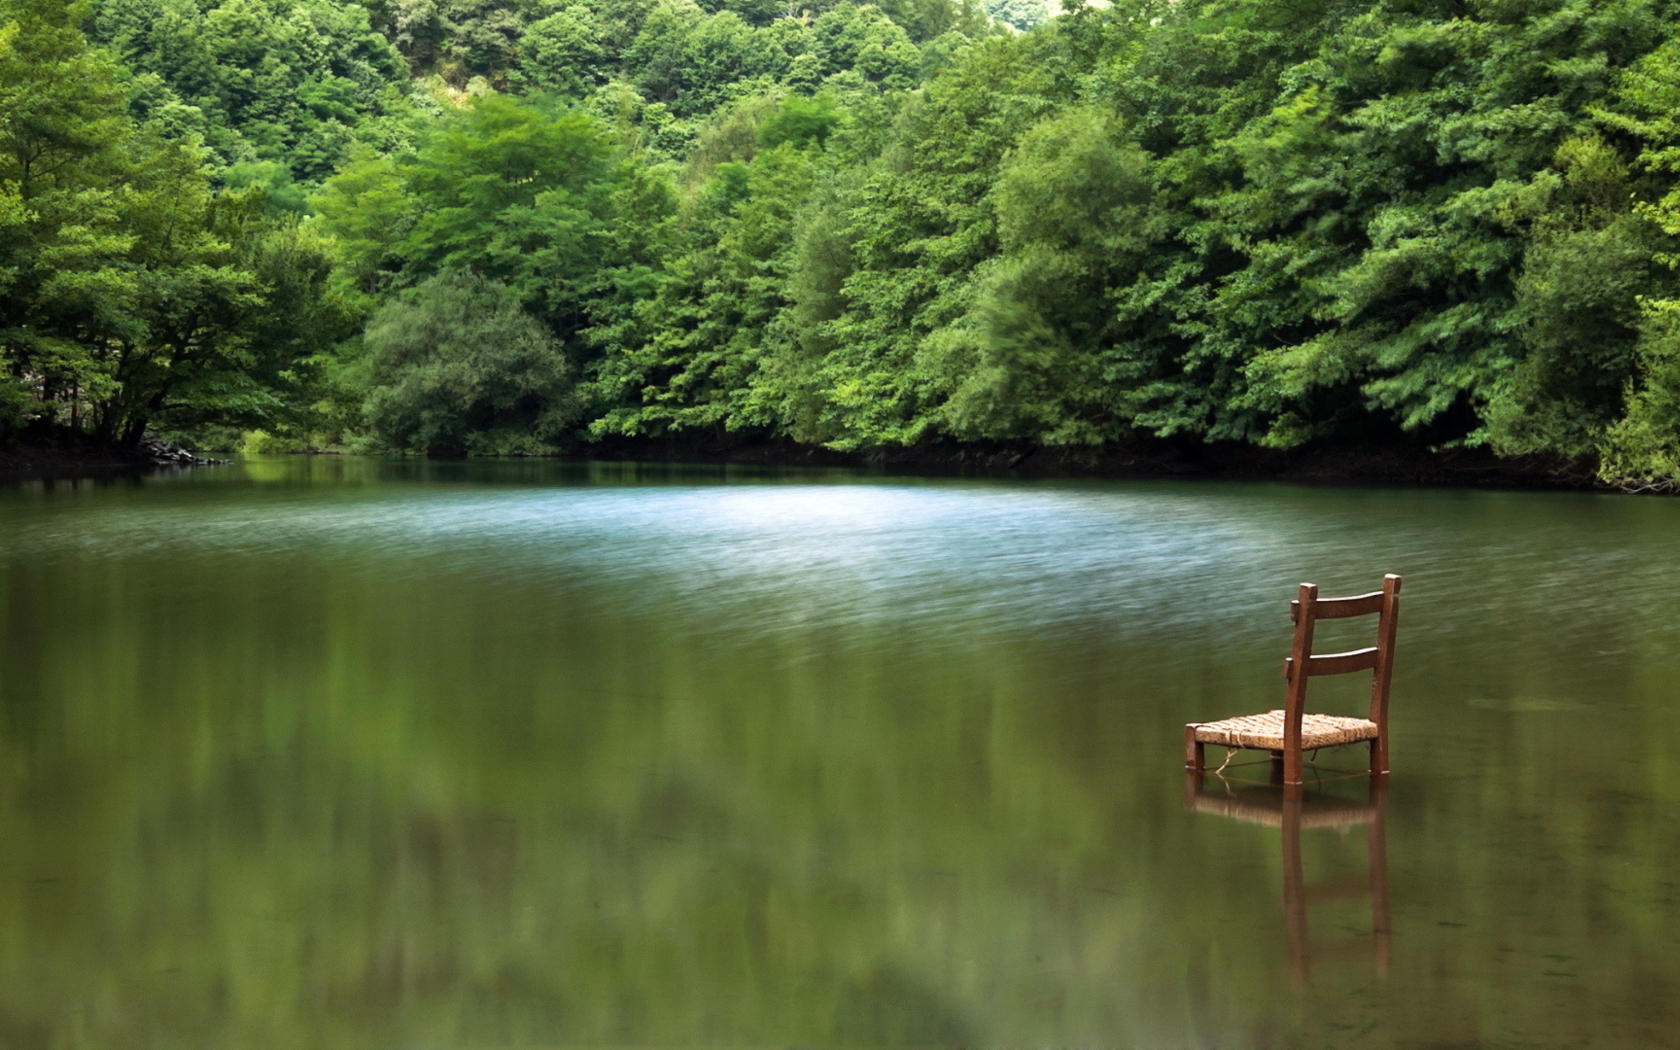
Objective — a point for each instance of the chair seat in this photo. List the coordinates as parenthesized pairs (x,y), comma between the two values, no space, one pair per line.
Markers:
(1265,732)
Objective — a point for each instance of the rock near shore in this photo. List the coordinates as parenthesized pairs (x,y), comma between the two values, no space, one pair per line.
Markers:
(165,453)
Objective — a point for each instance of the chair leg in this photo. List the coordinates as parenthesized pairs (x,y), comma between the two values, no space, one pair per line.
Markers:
(1379,757)
(1277,767)
(1294,767)
(1195,752)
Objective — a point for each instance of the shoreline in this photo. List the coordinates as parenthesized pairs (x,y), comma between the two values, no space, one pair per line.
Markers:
(25,462)
(1398,467)
(1353,465)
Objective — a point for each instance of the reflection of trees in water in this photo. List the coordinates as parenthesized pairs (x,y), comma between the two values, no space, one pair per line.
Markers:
(302,828)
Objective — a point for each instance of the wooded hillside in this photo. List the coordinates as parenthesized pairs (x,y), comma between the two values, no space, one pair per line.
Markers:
(496,226)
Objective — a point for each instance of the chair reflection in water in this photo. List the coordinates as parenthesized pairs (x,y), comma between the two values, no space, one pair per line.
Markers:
(1292,811)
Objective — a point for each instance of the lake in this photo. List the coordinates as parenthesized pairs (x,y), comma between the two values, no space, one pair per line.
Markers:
(359,753)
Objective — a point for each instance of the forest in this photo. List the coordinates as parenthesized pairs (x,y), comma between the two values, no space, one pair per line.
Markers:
(518,227)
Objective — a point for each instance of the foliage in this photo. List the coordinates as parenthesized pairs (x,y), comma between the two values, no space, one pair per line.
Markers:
(873,225)
(458,366)
(262,443)
(696,367)
(1075,216)
(562,54)
(1022,14)
(538,200)
(134,292)
(260,80)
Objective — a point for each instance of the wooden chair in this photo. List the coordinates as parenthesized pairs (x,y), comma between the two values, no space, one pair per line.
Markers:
(1287,734)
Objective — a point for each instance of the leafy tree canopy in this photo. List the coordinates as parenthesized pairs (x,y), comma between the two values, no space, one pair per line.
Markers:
(855,224)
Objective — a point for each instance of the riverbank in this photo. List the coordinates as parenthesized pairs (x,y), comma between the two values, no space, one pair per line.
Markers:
(33,462)
(1370,465)
(1380,465)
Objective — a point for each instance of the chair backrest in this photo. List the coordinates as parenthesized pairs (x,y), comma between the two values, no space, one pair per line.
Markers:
(1306,610)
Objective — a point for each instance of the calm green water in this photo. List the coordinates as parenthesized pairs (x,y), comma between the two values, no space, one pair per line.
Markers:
(343,753)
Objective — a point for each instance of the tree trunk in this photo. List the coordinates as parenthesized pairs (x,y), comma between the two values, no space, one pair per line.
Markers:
(133,432)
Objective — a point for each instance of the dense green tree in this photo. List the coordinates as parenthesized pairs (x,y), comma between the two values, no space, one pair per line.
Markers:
(862,39)
(1353,219)
(1643,447)
(693,61)
(696,368)
(538,200)
(1076,217)
(455,365)
(1408,174)
(1022,14)
(563,54)
(62,138)
(914,234)
(802,121)
(927,20)
(460,39)
(134,292)
(273,80)
(365,211)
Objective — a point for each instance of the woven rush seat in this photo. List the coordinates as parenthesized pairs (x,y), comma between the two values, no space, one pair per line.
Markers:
(1265,732)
